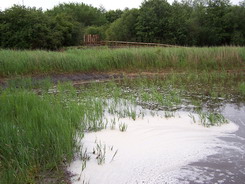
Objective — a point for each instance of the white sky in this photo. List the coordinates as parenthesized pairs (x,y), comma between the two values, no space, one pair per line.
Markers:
(107,4)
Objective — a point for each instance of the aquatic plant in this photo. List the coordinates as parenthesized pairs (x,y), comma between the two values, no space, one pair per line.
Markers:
(168,114)
(192,117)
(123,127)
(208,119)
(100,152)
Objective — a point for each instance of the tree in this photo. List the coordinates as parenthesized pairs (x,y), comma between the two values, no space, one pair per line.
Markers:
(80,12)
(26,28)
(124,28)
(217,24)
(80,17)
(179,23)
(71,30)
(237,15)
(113,15)
(30,28)
(197,30)
(197,22)
(153,21)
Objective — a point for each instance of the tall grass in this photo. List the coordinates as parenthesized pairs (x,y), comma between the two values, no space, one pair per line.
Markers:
(33,62)
(37,133)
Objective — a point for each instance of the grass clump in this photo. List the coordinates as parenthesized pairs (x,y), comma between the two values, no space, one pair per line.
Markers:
(208,119)
(123,127)
(37,133)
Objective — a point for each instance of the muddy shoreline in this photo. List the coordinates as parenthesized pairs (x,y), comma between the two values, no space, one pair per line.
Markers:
(88,77)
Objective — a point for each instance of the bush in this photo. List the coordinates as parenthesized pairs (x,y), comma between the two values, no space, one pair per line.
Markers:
(31,28)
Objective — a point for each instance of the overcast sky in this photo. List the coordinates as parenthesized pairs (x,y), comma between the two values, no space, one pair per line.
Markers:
(107,4)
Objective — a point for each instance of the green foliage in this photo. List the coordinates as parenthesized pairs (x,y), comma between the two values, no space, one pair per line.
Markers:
(153,21)
(203,23)
(95,30)
(80,12)
(217,22)
(113,15)
(29,28)
(179,24)
(71,31)
(123,29)
(238,22)
(189,23)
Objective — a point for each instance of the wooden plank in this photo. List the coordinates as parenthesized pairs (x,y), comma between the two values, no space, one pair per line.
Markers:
(116,43)
(95,40)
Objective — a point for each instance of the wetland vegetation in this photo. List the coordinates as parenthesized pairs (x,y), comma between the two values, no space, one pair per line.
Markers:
(127,59)
(41,121)
(44,119)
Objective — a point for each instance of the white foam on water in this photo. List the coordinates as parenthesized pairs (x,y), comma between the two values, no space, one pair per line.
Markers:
(152,150)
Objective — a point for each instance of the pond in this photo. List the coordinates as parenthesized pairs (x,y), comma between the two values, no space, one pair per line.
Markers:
(157,146)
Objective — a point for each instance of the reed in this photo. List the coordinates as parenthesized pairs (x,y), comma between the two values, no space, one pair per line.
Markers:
(37,133)
(14,62)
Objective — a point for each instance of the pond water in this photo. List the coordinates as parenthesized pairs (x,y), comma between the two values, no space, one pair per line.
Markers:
(155,149)
(228,164)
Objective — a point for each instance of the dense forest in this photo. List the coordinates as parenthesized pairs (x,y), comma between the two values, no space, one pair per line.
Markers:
(189,23)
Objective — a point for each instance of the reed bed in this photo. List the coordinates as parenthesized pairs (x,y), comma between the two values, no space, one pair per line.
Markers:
(13,62)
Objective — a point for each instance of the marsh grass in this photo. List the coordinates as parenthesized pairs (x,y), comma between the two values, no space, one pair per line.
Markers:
(208,119)
(134,59)
(37,133)
(100,152)
(123,127)
(174,86)
(168,114)
(39,130)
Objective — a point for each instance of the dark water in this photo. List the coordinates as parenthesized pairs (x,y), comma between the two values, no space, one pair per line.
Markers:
(228,165)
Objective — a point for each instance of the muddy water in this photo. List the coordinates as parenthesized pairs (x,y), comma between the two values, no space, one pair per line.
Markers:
(228,165)
(169,151)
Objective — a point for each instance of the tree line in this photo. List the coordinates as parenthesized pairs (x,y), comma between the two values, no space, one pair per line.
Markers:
(189,23)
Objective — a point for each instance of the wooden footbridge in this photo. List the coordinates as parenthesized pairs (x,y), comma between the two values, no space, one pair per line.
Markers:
(94,40)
